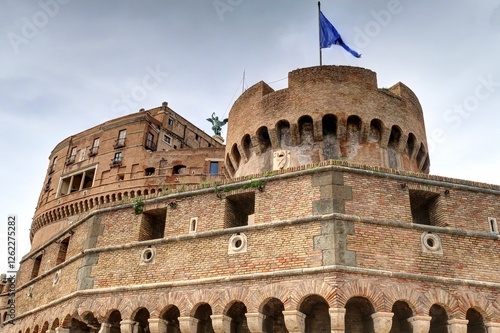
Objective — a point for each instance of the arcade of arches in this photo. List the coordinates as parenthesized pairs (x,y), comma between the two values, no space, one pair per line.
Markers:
(314,315)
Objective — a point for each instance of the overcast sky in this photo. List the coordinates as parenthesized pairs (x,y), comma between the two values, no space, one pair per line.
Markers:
(67,65)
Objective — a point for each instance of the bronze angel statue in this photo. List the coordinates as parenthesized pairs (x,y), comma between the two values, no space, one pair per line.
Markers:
(216,124)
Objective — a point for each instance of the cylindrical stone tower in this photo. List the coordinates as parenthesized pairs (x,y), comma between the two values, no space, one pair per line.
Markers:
(327,112)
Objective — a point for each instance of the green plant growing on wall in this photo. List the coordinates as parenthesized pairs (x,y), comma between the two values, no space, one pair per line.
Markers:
(138,206)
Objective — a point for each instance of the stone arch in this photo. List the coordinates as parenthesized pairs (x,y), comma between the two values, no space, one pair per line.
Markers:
(113,197)
(229,166)
(202,312)
(273,290)
(411,145)
(442,298)
(407,293)
(139,193)
(475,321)
(236,155)
(309,287)
(402,311)
(393,145)
(227,296)
(439,319)
(316,309)
(141,316)
(363,288)
(284,134)
(478,302)
(274,320)
(376,131)
(27,330)
(171,314)
(36,329)
(263,138)
(153,191)
(358,316)
(331,148)
(55,324)
(306,129)
(66,322)
(246,143)
(114,318)
(421,154)
(236,310)
(146,192)
(132,194)
(45,327)
(90,320)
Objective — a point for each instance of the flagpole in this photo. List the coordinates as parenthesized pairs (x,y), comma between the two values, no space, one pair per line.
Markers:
(319,33)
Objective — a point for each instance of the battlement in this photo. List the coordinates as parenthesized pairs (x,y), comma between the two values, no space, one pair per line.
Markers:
(327,112)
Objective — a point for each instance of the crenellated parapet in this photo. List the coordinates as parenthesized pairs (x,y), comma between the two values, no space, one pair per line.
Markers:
(327,112)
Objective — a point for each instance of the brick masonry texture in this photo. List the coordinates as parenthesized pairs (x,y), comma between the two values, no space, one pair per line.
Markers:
(317,246)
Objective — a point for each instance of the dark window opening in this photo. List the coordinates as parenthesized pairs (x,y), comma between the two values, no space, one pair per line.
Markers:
(179,169)
(71,157)
(285,137)
(166,139)
(149,171)
(196,137)
(423,207)
(150,143)
(77,182)
(238,209)
(170,122)
(95,147)
(120,176)
(264,139)
(117,160)
(153,224)
(36,266)
(306,130)
(53,165)
(214,168)
(236,155)
(47,185)
(63,250)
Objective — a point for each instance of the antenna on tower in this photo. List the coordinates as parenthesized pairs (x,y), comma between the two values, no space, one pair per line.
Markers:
(243,83)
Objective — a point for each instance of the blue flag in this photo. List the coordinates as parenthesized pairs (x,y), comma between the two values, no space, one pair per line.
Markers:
(330,36)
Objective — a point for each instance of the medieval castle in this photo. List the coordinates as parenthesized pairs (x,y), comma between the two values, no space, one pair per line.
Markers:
(317,215)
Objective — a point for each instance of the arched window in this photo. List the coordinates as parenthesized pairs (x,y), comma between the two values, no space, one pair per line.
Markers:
(316,309)
(264,139)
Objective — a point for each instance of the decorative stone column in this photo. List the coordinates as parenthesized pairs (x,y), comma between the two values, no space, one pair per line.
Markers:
(221,323)
(492,327)
(457,326)
(337,319)
(105,328)
(420,324)
(188,324)
(128,326)
(255,322)
(382,322)
(157,325)
(295,321)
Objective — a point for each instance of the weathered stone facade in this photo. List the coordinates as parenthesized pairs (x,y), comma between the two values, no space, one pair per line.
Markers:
(333,246)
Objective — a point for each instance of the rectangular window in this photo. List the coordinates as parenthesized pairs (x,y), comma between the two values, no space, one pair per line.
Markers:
(120,141)
(423,205)
(53,165)
(77,181)
(36,267)
(95,147)
(72,156)
(150,143)
(166,139)
(214,168)
(63,250)
(153,224)
(239,207)
(170,122)
(117,160)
